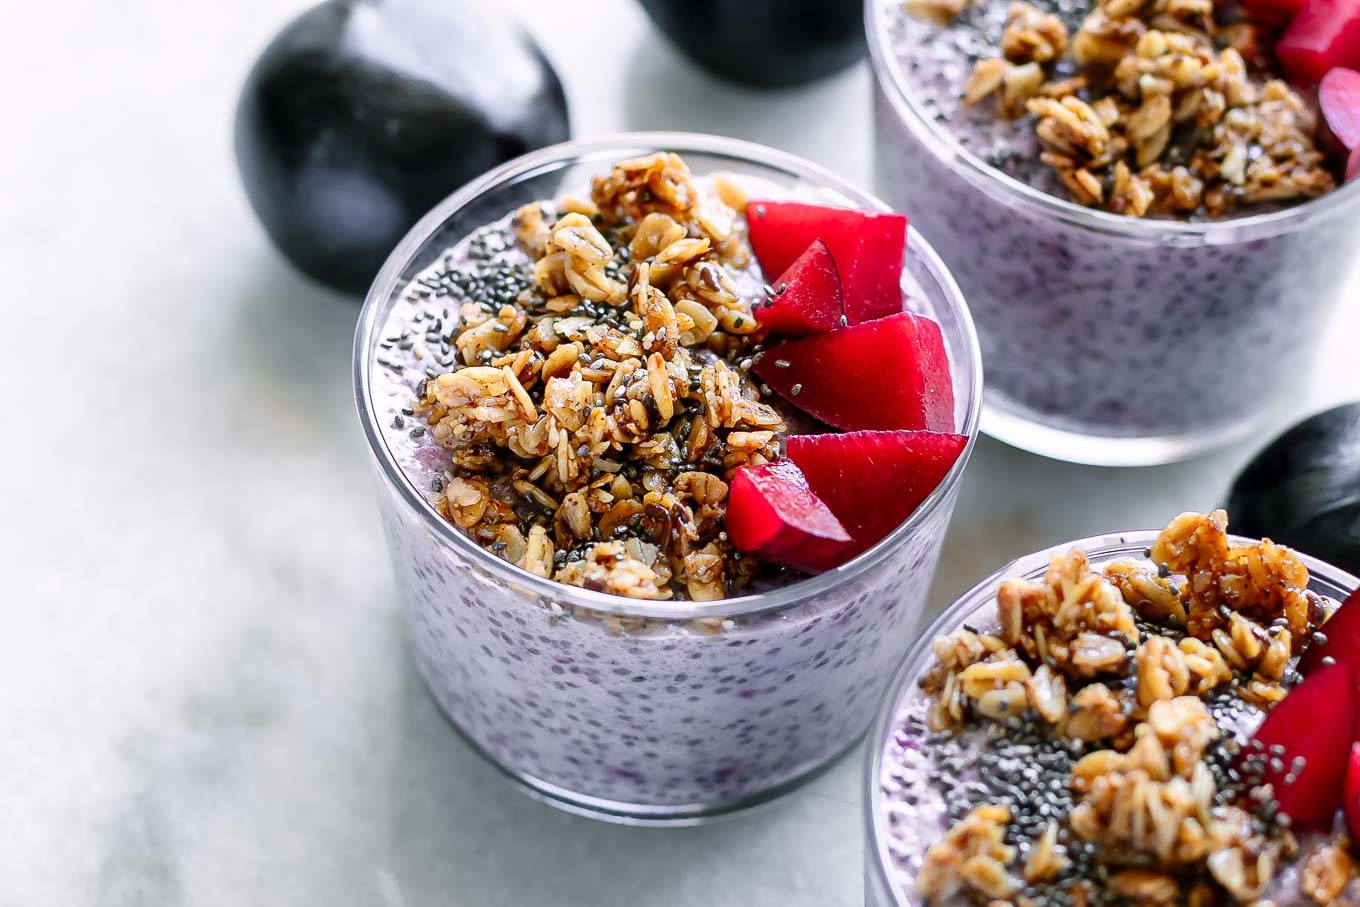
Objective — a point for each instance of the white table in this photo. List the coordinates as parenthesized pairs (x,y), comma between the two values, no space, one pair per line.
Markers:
(205,698)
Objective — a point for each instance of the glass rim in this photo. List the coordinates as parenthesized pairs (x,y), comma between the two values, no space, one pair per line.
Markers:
(946,148)
(388,281)
(1026,566)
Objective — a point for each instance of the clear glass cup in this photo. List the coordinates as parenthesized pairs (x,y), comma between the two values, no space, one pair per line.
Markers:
(1108,339)
(654,712)
(976,607)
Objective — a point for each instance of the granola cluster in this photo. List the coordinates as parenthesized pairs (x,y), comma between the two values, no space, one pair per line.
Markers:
(1151,107)
(593,424)
(1263,580)
(1128,669)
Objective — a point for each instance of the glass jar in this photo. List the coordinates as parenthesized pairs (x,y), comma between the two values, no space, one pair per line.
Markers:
(639,711)
(889,845)
(1109,339)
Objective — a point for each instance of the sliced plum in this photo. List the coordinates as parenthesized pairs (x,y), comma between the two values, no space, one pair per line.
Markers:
(772,512)
(868,247)
(874,480)
(1339,99)
(1304,744)
(1324,34)
(1350,793)
(1341,640)
(887,374)
(807,296)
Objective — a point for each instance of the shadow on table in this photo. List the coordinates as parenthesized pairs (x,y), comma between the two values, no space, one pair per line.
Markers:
(291,334)
(459,831)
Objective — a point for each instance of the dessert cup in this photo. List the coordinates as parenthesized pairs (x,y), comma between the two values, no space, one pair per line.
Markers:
(888,845)
(650,712)
(1108,339)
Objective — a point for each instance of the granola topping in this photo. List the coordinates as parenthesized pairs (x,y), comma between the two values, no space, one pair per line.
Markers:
(1087,741)
(1150,107)
(589,385)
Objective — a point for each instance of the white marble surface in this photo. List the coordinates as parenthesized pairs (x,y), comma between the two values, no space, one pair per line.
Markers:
(205,698)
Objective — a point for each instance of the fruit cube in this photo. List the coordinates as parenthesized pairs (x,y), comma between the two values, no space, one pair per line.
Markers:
(1304,746)
(874,480)
(887,374)
(1325,34)
(1350,793)
(807,296)
(1339,98)
(868,247)
(772,512)
(1342,634)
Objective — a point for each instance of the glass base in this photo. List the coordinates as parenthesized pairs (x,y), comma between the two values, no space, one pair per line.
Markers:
(1027,430)
(643,815)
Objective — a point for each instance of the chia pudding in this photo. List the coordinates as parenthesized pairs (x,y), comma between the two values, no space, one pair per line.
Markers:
(1025,789)
(667,700)
(1092,269)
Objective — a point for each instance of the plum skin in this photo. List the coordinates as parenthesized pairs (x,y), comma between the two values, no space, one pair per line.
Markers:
(350,127)
(1303,489)
(764,43)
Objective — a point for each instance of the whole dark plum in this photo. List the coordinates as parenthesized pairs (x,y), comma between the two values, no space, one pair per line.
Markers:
(766,43)
(361,115)
(1303,490)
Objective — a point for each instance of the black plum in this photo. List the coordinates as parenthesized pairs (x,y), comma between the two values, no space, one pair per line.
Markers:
(767,43)
(362,114)
(1303,490)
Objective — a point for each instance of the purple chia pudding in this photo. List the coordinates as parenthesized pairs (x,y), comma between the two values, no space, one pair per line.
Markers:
(634,710)
(923,779)
(1107,338)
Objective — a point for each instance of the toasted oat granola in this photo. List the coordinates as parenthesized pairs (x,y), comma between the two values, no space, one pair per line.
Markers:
(594,418)
(1136,675)
(1152,107)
